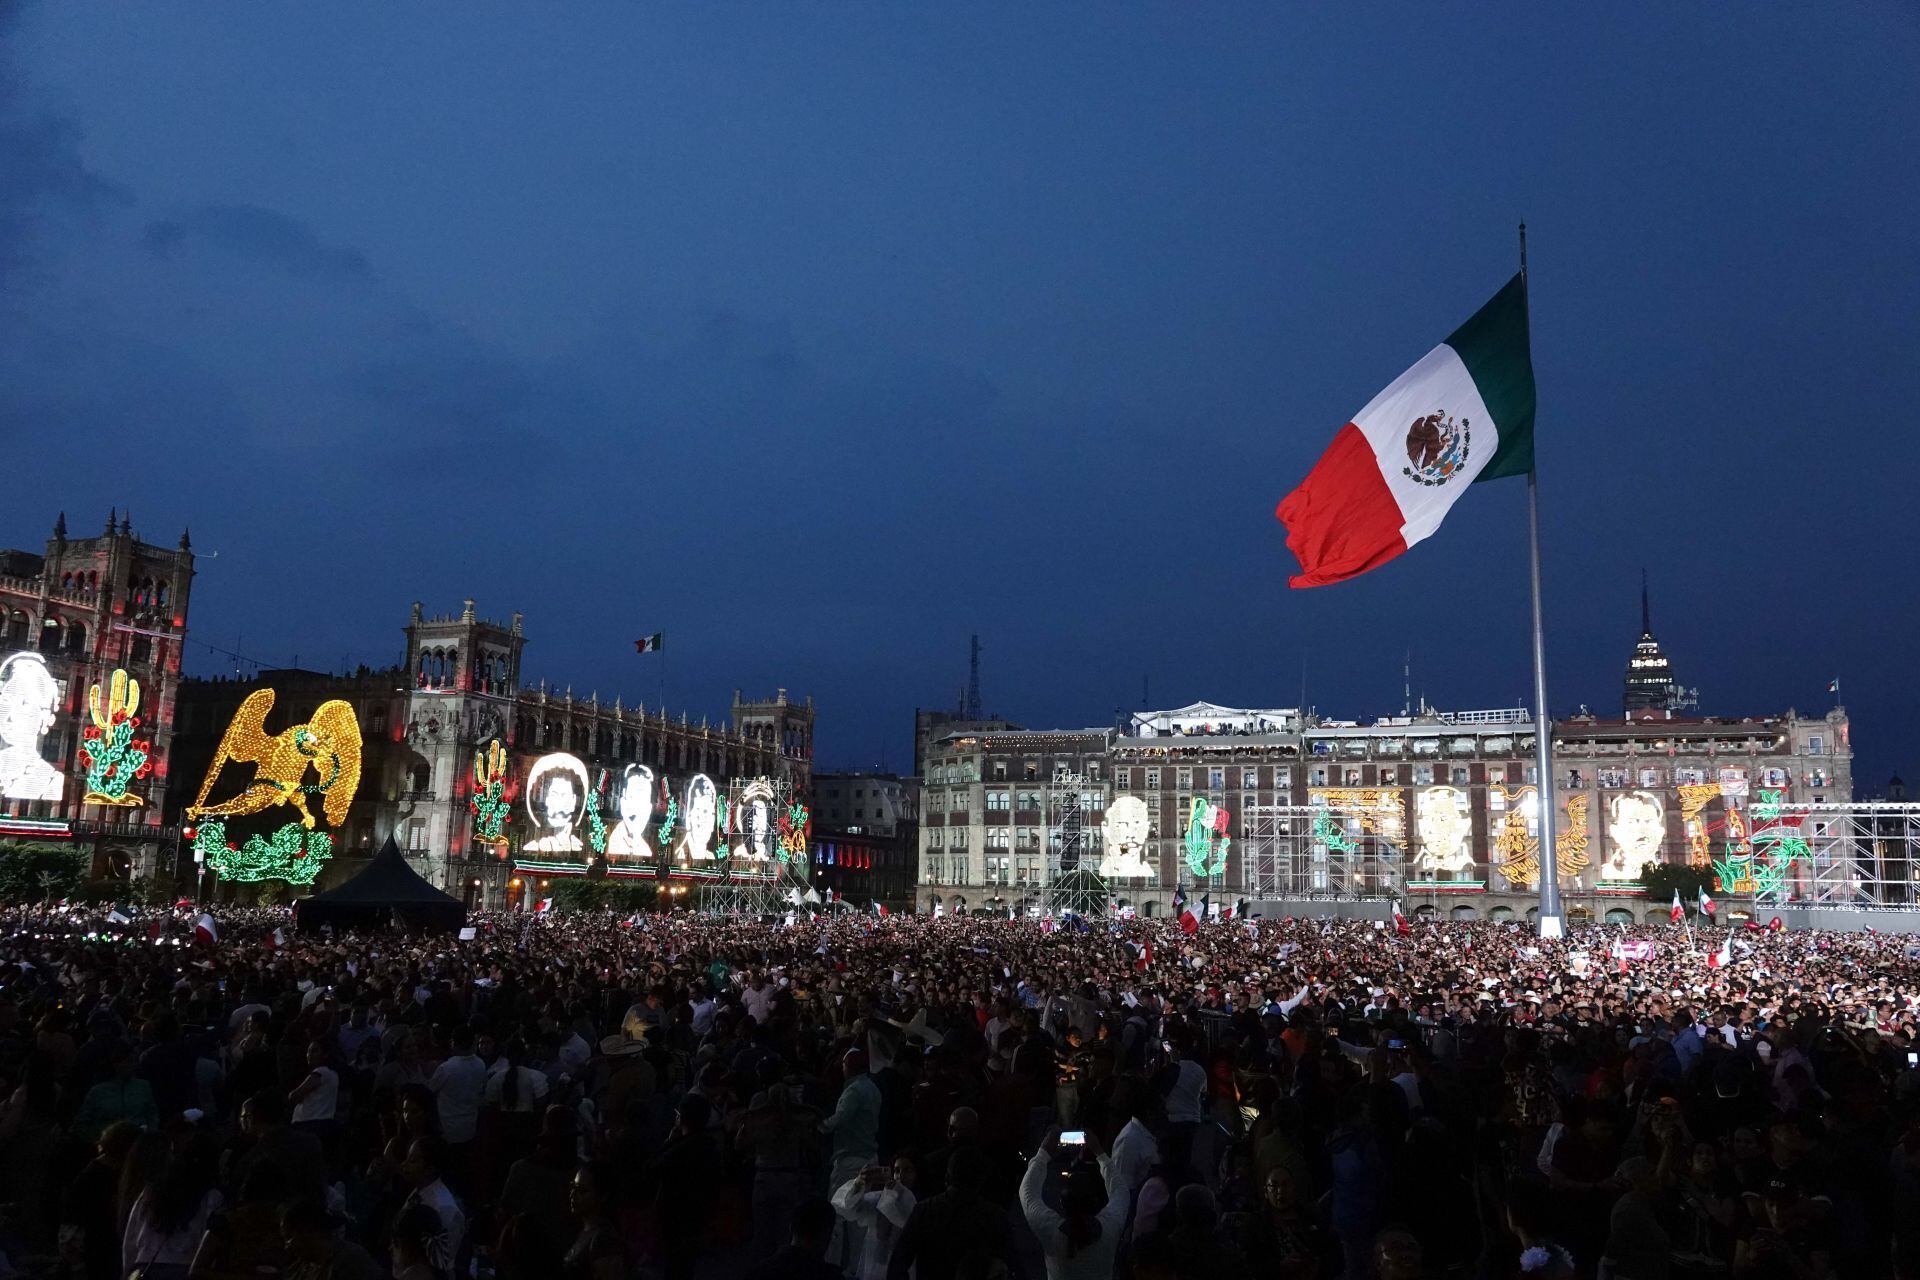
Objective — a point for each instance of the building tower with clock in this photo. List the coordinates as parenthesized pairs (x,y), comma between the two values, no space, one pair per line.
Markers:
(1650,687)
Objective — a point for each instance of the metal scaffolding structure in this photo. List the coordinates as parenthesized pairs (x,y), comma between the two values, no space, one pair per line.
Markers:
(1834,855)
(786,891)
(1332,850)
(1073,867)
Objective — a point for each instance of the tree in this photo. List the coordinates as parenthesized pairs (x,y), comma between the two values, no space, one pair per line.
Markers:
(1663,879)
(39,873)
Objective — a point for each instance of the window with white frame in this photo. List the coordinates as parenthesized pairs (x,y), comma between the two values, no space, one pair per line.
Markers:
(1153,779)
(1186,777)
(998,800)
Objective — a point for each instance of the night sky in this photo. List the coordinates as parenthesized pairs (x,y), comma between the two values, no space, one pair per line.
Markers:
(821,336)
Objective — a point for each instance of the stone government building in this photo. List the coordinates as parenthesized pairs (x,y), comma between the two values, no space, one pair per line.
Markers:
(77,610)
(1439,809)
(458,688)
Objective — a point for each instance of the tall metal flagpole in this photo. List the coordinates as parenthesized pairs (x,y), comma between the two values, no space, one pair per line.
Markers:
(1552,922)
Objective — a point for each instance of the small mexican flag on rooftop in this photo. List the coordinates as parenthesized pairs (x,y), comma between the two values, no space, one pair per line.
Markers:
(650,644)
(1464,413)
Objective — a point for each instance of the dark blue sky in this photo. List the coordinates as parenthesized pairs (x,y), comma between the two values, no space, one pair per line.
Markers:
(821,336)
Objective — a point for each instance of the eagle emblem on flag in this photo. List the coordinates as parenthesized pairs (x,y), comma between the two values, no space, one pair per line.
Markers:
(1436,448)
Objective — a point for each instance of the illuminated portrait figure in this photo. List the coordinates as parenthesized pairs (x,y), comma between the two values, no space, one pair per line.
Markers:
(29,700)
(633,810)
(556,797)
(699,817)
(1124,837)
(1636,828)
(756,822)
(1441,819)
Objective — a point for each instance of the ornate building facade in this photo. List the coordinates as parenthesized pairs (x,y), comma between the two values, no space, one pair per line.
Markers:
(70,617)
(1437,809)
(429,726)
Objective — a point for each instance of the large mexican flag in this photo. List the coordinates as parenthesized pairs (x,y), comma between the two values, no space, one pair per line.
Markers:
(1464,413)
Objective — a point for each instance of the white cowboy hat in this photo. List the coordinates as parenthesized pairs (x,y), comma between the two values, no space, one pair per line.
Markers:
(918,1029)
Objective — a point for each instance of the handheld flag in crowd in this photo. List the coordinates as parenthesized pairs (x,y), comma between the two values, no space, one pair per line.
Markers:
(204,929)
(1724,956)
(277,940)
(117,916)
(1678,913)
(1463,413)
(1707,907)
(1400,925)
(650,644)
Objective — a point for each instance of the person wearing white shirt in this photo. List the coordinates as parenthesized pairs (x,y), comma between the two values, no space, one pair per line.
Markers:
(1079,1239)
(422,1169)
(316,1099)
(758,999)
(526,1093)
(458,1084)
(1134,1153)
(880,1201)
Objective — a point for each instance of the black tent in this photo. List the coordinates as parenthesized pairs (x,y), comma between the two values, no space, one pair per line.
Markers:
(387,892)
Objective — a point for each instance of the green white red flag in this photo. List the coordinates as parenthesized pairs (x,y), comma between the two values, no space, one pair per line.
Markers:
(1462,414)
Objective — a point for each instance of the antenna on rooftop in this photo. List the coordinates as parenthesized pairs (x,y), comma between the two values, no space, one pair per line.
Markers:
(970,709)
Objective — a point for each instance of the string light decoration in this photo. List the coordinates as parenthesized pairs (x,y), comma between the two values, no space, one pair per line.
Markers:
(327,746)
(292,853)
(1516,849)
(1694,798)
(1735,870)
(794,826)
(1776,842)
(1570,842)
(1377,808)
(112,755)
(1329,833)
(664,832)
(595,802)
(488,803)
(1206,839)
(1445,826)
(1519,849)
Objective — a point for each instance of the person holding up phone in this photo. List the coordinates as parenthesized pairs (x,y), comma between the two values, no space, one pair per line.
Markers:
(1080,1238)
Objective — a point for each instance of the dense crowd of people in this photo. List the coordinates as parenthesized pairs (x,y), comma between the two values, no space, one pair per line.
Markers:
(598,1098)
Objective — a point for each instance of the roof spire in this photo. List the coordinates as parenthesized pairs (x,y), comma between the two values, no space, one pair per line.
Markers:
(1646,613)
(60,527)
(113,521)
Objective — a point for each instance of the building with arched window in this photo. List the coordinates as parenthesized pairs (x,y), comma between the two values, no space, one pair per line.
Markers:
(78,610)
(459,687)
